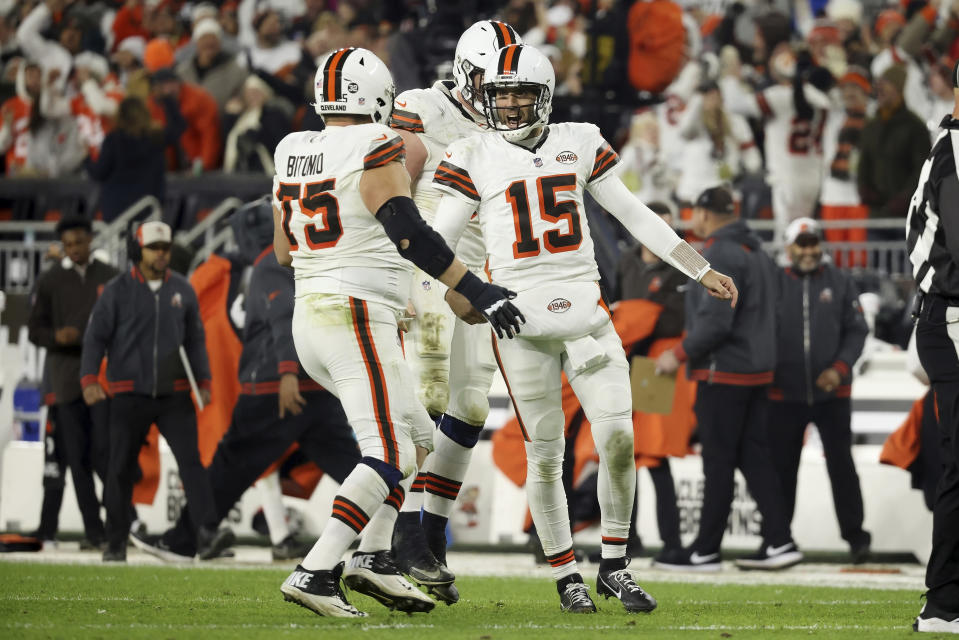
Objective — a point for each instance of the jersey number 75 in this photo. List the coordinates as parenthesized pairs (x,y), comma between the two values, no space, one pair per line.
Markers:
(312,199)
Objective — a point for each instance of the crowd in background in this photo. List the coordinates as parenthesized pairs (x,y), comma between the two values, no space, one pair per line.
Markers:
(693,92)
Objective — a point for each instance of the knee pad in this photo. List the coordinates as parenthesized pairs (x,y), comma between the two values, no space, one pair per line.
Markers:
(462,433)
(469,405)
(390,474)
(544,460)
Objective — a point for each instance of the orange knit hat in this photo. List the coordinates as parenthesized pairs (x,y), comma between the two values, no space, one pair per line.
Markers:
(158,54)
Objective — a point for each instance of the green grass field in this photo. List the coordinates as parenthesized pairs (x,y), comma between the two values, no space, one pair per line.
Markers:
(71,601)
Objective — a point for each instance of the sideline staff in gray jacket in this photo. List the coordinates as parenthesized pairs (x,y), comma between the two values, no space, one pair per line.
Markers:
(732,352)
(820,335)
(140,321)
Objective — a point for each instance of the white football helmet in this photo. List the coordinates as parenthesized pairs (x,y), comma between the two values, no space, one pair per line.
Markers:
(354,81)
(518,66)
(474,50)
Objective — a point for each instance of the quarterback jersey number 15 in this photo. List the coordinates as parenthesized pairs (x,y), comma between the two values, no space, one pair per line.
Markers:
(530,202)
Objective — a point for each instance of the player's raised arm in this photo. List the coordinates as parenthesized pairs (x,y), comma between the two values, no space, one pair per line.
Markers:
(386,191)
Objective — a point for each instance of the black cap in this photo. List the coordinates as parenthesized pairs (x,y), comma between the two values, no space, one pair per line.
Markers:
(718,200)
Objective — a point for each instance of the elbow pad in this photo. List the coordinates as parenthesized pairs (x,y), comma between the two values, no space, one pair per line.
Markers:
(426,249)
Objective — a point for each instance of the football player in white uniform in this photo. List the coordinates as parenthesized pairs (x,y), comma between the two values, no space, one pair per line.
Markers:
(454,391)
(526,183)
(344,219)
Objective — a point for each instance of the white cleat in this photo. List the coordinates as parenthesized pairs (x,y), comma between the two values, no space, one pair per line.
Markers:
(319,591)
(375,574)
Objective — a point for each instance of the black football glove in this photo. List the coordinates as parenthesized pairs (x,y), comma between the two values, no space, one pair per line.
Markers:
(493,302)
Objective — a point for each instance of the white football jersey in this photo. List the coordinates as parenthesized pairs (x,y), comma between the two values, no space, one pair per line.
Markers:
(336,243)
(530,201)
(439,119)
(793,146)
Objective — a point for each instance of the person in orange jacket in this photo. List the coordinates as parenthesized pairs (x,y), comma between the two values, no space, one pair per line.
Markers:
(172,99)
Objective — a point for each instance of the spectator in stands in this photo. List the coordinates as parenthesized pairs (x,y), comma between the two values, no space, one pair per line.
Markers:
(9,46)
(179,103)
(657,39)
(645,170)
(142,319)
(93,103)
(889,27)
(940,96)
(54,54)
(718,146)
(129,23)
(893,147)
(18,113)
(270,52)
(792,112)
(256,124)
(847,16)
(820,334)
(201,13)
(210,67)
(131,162)
(128,62)
(54,148)
(731,353)
(161,21)
(839,198)
(64,297)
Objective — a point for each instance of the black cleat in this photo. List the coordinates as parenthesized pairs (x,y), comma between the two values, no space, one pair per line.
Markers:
(319,591)
(859,552)
(447,593)
(115,555)
(155,546)
(575,599)
(414,558)
(375,574)
(210,543)
(620,584)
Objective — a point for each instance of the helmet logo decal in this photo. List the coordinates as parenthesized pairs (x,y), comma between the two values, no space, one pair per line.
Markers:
(352,87)
(332,75)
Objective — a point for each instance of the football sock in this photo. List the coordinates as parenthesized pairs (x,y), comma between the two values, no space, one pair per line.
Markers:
(616,484)
(379,532)
(454,442)
(361,494)
(547,503)
(271,498)
(414,495)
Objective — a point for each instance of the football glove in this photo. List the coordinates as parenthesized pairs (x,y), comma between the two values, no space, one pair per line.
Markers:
(493,302)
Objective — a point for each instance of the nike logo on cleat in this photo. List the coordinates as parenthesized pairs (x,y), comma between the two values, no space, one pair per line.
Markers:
(695,558)
(775,551)
(362,562)
(299,579)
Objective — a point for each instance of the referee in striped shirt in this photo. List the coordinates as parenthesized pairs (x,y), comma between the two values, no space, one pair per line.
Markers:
(932,240)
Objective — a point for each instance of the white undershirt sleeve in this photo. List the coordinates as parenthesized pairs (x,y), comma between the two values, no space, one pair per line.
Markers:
(452,216)
(647,227)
